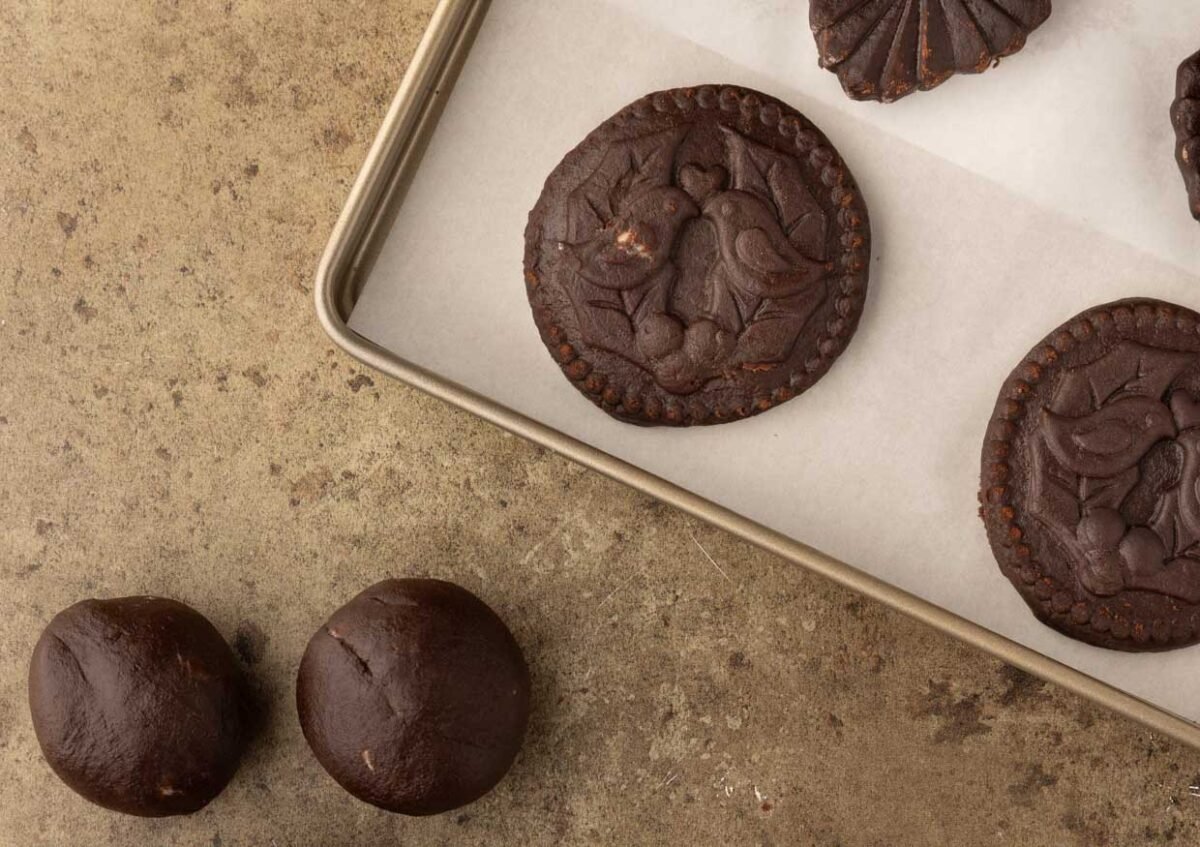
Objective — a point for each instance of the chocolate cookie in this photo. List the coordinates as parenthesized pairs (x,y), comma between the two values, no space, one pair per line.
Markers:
(414,696)
(700,258)
(887,49)
(138,705)
(1091,477)
(1185,115)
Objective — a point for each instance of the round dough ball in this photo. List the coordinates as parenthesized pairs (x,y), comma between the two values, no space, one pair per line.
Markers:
(138,705)
(414,696)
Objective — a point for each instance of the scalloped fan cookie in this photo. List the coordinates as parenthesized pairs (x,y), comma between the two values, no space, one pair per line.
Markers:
(887,49)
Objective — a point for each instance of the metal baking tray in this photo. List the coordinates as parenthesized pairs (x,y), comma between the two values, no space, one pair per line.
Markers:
(355,243)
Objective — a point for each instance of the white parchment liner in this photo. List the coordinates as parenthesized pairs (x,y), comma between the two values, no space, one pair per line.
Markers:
(1001,206)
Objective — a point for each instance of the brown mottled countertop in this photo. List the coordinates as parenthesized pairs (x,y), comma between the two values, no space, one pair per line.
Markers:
(173,421)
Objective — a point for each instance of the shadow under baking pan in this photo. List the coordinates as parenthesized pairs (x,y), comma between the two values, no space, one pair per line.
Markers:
(877,465)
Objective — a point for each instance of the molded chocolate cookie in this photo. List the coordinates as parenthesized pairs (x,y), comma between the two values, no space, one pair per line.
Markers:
(137,704)
(699,258)
(414,696)
(887,49)
(1185,115)
(1091,477)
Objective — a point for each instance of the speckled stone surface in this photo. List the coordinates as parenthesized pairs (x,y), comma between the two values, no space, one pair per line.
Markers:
(173,421)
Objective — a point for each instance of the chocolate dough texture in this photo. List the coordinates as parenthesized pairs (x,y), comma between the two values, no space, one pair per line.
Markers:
(138,705)
(414,696)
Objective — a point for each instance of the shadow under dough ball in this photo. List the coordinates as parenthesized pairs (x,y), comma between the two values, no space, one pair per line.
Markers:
(414,696)
(138,705)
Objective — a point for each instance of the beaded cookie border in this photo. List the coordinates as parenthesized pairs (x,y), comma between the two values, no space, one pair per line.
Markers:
(823,163)
(1054,602)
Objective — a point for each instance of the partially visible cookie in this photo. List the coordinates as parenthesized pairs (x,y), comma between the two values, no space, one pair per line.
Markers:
(1091,477)
(887,49)
(1185,115)
(138,705)
(699,258)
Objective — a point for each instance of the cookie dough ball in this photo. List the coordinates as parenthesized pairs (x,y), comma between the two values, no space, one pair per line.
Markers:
(414,696)
(138,705)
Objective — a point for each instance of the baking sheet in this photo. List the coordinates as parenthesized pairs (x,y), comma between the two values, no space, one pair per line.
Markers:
(1001,206)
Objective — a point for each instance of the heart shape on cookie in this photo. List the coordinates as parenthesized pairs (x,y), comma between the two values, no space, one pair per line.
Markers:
(702,183)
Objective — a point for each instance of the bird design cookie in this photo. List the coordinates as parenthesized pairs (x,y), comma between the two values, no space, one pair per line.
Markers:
(699,258)
(1185,116)
(887,49)
(1091,477)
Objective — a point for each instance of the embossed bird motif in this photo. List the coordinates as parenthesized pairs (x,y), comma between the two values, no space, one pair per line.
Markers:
(636,244)
(757,258)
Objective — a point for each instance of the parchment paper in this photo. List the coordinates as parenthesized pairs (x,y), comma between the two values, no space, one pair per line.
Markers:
(1001,206)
